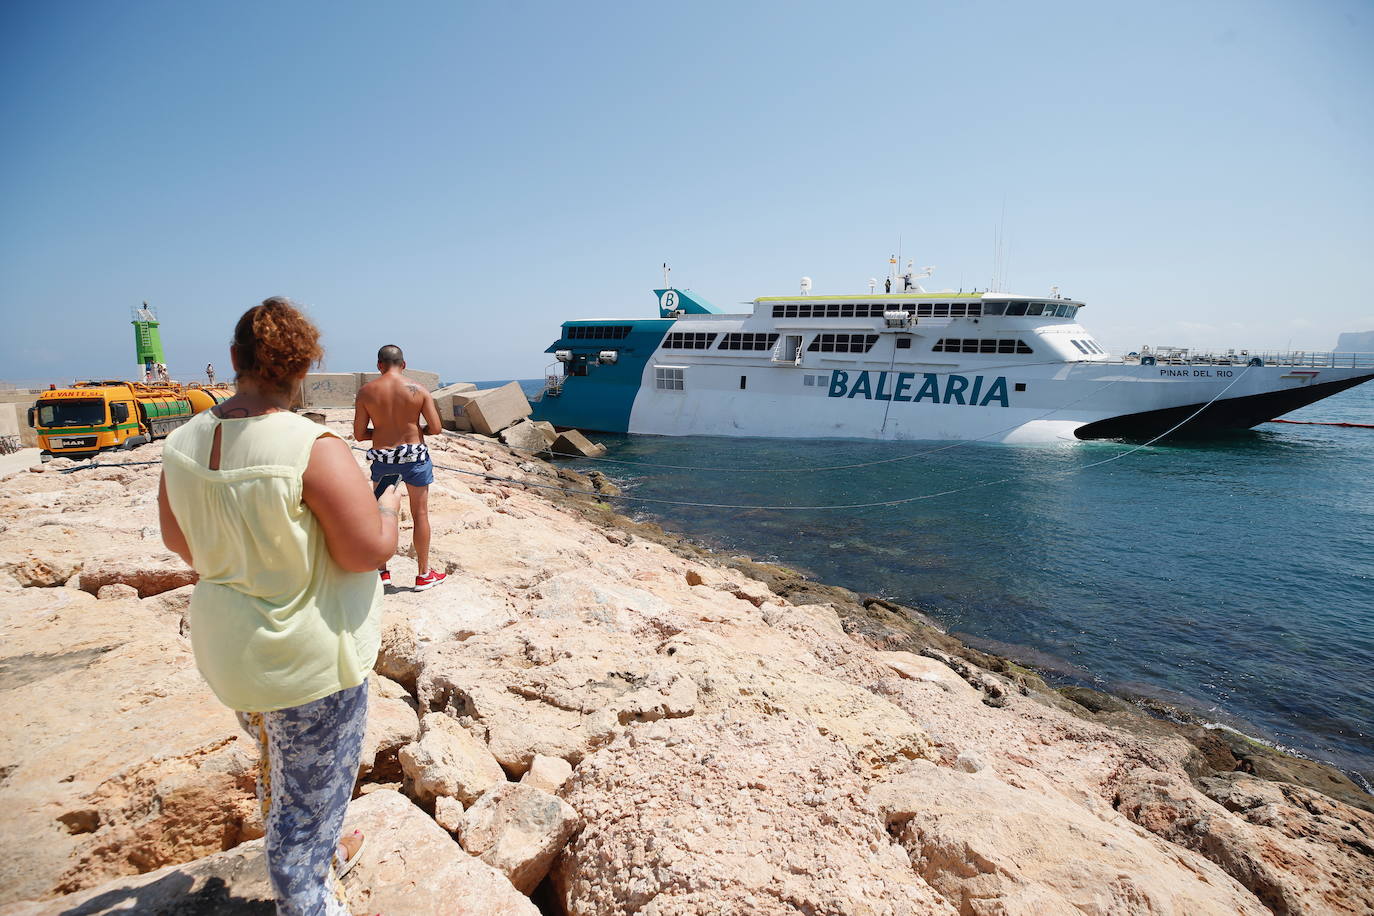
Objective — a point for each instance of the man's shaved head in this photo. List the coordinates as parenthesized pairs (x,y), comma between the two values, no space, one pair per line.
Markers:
(390,355)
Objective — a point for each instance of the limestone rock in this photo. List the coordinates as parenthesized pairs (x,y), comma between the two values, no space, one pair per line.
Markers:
(1296,850)
(412,866)
(547,773)
(518,829)
(411,622)
(175,608)
(115,591)
(116,757)
(47,571)
(392,723)
(728,814)
(578,687)
(448,760)
(448,813)
(409,866)
(990,847)
(150,577)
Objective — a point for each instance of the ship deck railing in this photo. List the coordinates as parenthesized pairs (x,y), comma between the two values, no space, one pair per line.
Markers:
(1296,359)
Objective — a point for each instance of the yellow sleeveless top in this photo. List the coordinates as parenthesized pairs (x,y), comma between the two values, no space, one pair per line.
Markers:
(275,622)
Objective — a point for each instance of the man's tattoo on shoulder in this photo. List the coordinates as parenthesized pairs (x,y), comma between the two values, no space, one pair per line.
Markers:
(413,389)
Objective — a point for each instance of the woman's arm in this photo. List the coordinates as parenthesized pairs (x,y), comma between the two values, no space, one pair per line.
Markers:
(172,535)
(359,530)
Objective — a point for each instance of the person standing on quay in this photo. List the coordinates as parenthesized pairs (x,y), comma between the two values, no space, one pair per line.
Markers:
(387,412)
(210,372)
(277,518)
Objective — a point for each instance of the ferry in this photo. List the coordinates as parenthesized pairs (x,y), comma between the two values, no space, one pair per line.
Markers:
(909,364)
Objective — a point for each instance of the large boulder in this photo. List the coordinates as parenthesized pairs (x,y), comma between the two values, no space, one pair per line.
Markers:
(518,829)
(448,761)
(990,847)
(731,814)
(412,866)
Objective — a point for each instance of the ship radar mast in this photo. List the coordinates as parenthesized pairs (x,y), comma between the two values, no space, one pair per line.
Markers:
(907,281)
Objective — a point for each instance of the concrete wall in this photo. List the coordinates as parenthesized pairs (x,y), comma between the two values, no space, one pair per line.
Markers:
(339,389)
(15,403)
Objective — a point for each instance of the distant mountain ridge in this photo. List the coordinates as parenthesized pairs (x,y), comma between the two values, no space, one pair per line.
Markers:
(1356,341)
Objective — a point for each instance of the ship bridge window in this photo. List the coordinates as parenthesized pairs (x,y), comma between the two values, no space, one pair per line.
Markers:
(842,343)
(596,331)
(980,345)
(1035,308)
(830,310)
(1016,308)
(994,308)
(740,340)
(668,378)
(689,340)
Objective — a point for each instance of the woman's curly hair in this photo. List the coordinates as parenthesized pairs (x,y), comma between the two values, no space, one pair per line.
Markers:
(276,344)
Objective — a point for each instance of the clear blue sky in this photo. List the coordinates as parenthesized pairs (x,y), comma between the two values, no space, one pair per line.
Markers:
(460,178)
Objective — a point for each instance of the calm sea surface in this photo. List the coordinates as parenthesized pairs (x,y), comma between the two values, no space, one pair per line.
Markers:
(1233,578)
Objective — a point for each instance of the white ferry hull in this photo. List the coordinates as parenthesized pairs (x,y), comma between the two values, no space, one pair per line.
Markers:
(1055,405)
(931,366)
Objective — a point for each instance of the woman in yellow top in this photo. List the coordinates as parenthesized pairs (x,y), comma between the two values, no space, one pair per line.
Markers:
(281,524)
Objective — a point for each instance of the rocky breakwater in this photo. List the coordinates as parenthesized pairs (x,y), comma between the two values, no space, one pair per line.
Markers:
(591,717)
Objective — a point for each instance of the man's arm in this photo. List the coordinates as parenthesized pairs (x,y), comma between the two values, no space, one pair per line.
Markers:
(430,412)
(360,420)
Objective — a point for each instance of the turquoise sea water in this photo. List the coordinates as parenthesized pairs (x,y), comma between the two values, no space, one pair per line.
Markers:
(1233,578)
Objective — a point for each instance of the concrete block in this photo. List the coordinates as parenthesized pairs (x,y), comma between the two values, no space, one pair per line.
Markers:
(430,380)
(491,410)
(9,419)
(524,437)
(443,400)
(14,421)
(546,430)
(572,442)
(329,389)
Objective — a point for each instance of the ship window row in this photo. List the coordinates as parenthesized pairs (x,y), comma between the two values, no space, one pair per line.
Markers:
(741,340)
(842,343)
(980,345)
(689,340)
(876,309)
(1019,309)
(1087,346)
(596,331)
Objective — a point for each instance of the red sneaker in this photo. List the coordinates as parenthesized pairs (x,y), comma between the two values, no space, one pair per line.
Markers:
(429,580)
(386,576)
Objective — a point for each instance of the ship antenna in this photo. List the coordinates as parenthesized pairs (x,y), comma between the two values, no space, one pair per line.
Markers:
(667,272)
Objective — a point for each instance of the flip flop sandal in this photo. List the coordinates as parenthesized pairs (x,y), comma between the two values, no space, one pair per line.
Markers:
(342,869)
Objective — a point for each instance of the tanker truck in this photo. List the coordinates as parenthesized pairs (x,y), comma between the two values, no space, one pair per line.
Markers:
(96,416)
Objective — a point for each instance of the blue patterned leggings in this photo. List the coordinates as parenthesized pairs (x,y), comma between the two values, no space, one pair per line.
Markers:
(307,764)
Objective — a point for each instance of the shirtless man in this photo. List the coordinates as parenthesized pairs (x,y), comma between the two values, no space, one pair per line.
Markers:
(393,405)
